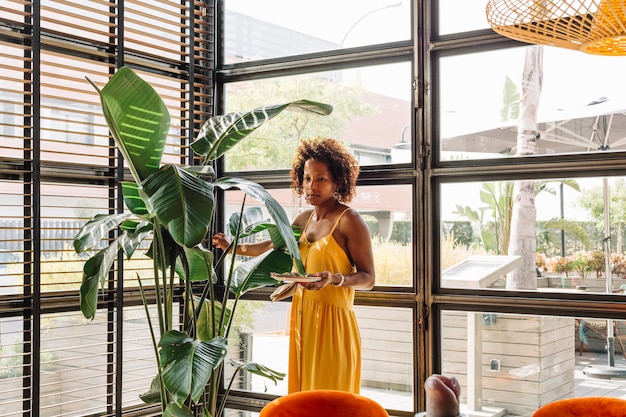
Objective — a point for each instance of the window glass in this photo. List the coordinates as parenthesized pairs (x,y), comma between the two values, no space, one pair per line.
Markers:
(80,366)
(570,220)
(387,211)
(62,208)
(387,335)
(387,350)
(461,16)
(140,365)
(65,210)
(261,336)
(373,118)
(514,364)
(276,28)
(72,18)
(480,110)
(59,169)
(12,360)
(73,128)
(12,248)
(157,30)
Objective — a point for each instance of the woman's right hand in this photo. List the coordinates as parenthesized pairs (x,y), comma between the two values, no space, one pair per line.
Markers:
(219,240)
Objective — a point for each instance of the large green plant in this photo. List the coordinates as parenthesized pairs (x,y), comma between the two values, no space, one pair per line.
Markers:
(174,207)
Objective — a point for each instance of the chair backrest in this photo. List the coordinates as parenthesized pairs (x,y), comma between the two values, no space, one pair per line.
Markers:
(584,406)
(323,403)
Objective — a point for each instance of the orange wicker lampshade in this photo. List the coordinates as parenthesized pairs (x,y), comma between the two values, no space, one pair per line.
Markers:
(592,26)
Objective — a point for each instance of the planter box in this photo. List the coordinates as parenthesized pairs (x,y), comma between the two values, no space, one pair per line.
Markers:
(590,283)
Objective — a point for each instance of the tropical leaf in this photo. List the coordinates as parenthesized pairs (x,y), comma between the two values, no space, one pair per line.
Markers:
(258,369)
(469,212)
(571,227)
(275,210)
(204,326)
(253,229)
(251,217)
(174,410)
(489,196)
(182,202)
(200,263)
(95,272)
(138,120)
(277,238)
(220,133)
(130,240)
(511,100)
(97,229)
(131,225)
(200,170)
(573,184)
(153,395)
(89,286)
(273,231)
(255,273)
(133,199)
(544,186)
(188,364)
(171,250)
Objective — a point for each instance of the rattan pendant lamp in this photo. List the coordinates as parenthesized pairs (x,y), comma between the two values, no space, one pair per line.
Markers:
(591,26)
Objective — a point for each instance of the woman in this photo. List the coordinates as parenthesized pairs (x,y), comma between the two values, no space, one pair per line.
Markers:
(335,245)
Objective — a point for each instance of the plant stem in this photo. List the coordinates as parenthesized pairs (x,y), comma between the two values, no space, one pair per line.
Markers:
(158,254)
(227,392)
(154,345)
(231,268)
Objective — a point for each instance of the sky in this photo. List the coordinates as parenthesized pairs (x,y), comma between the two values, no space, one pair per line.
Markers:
(332,20)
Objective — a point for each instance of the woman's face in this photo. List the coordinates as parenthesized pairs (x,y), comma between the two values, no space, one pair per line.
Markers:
(317,182)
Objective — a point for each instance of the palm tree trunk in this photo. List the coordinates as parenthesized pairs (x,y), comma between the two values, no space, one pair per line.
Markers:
(523,240)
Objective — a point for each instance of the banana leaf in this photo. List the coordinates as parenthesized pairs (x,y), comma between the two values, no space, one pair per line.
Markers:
(188,363)
(255,273)
(182,202)
(275,210)
(138,120)
(220,133)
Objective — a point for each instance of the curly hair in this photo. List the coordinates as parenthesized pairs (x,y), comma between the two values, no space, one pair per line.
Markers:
(342,165)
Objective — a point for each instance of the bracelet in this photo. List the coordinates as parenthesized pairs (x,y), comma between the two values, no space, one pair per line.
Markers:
(340,282)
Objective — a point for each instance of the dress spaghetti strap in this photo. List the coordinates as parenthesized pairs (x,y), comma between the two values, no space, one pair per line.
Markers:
(337,222)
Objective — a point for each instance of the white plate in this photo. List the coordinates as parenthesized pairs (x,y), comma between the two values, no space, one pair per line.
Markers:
(294,277)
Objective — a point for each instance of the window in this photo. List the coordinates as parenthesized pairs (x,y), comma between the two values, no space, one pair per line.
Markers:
(479,114)
(368,79)
(522,303)
(527,183)
(281,28)
(58,168)
(374,120)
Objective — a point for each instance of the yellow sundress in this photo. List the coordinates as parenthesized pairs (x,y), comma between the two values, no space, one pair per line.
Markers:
(324,343)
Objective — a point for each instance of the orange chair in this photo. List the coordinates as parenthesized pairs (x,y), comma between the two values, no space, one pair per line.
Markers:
(584,407)
(323,403)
